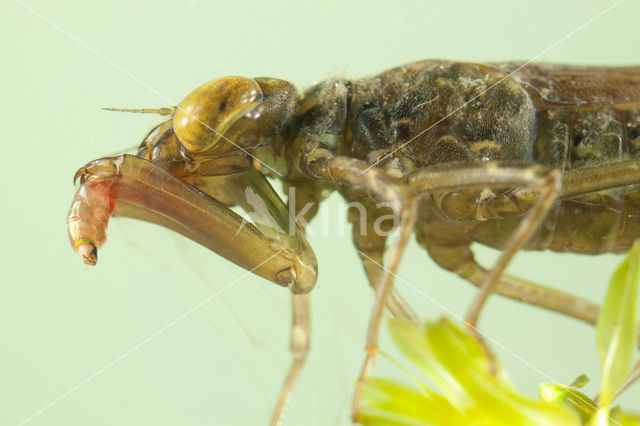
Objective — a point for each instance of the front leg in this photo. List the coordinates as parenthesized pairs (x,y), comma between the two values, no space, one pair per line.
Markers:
(316,160)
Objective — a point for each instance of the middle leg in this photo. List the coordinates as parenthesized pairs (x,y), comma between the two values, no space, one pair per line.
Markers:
(371,226)
(316,160)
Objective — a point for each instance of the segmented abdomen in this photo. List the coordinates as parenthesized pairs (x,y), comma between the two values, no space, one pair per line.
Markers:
(570,138)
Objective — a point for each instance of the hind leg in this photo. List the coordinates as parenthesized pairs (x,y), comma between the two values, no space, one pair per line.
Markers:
(460,260)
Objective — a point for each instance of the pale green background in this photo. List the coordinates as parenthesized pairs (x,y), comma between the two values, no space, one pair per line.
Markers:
(223,364)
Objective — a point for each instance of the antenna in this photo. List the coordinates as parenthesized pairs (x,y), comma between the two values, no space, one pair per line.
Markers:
(161,111)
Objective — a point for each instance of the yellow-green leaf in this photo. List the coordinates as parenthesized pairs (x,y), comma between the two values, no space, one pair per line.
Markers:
(616,331)
(390,403)
(622,419)
(456,363)
(411,341)
(552,392)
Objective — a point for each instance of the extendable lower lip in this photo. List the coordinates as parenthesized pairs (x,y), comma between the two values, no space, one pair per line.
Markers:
(144,191)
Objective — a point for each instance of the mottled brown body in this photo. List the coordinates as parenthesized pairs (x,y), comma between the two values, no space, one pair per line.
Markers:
(586,117)
(437,112)
(431,113)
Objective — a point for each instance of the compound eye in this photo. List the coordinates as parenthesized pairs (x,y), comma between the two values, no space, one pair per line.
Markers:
(207,112)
